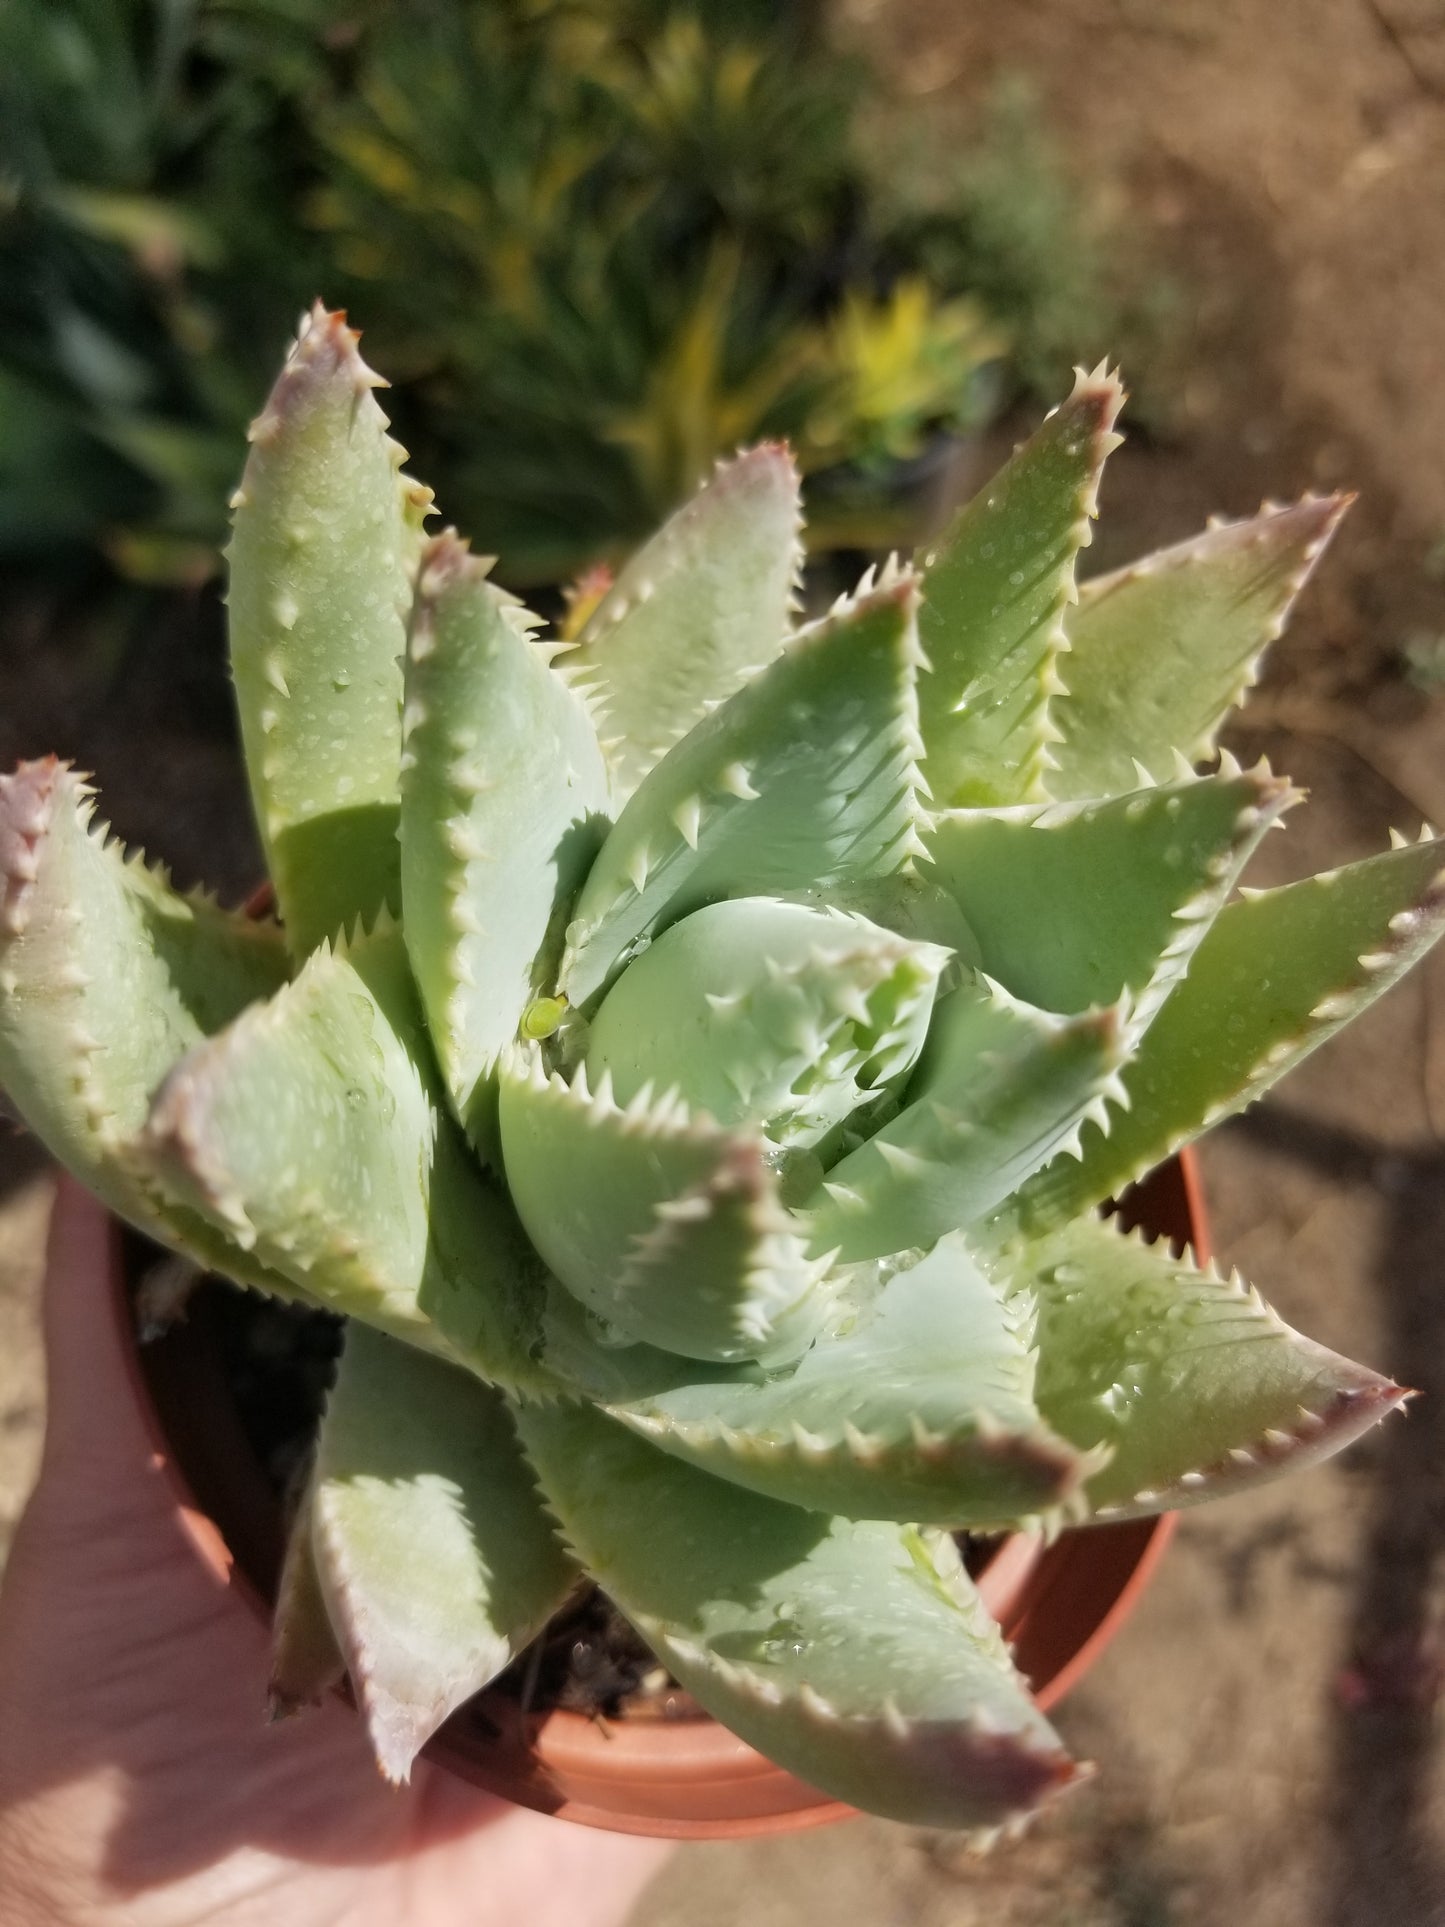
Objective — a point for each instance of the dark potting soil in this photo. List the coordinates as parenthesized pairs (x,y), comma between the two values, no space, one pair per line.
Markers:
(278,1362)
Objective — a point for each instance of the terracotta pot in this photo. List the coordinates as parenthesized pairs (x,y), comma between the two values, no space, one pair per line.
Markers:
(680,1778)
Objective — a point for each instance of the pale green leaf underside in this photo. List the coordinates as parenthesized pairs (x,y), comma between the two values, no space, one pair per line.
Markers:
(503,801)
(856,1655)
(310,1133)
(666,1227)
(995,587)
(1075,904)
(805,778)
(107,977)
(916,1405)
(325,543)
(1278,974)
(1194,1385)
(768,1013)
(1160,652)
(434,1555)
(697,609)
(1001,1087)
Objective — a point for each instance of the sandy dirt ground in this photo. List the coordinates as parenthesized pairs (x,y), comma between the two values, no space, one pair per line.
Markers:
(1267,1726)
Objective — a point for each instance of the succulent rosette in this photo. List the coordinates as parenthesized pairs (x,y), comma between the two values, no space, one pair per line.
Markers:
(692,1051)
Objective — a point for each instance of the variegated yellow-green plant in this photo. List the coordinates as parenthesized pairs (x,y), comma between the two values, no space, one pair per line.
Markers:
(692,1053)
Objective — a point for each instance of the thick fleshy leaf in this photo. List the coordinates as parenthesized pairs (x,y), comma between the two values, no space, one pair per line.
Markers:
(995,587)
(856,1655)
(306,1657)
(700,608)
(1160,652)
(326,536)
(107,977)
(912,906)
(503,795)
(310,1132)
(667,1227)
(1078,904)
(1193,1384)
(768,1013)
(805,778)
(1277,975)
(1002,1086)
(916,1405)
(435,1557)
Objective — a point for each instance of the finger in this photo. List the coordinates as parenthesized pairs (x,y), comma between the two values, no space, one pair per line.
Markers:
(93,1411)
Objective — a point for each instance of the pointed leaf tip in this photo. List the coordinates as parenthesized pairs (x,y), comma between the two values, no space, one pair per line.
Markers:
(107,976)
(26,800)
(326,351)
(1161,650)
(503,790)
(856,1654)
(1276,974)
(1191,1382)
(435,1558)
(445,557)
(1080,903)
(1095,403)
(622,1203)
(326,533)
(995,589)
(915,1404)
(325,337)
(310,1129)
(697,611)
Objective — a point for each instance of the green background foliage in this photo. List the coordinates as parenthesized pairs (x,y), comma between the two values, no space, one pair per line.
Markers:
(597,242)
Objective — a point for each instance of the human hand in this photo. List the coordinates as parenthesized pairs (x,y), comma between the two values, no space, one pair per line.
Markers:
(140,1785)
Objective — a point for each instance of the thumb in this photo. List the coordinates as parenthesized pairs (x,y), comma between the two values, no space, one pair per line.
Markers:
(94,1403)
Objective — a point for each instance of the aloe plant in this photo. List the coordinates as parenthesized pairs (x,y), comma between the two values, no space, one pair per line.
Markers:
(693,1054)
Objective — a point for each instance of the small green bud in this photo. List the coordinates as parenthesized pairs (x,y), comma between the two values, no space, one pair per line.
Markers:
(542,1016)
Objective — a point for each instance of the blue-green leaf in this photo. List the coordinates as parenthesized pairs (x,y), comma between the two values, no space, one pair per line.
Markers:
(856,1655)
(1193,1386)
(915,1404)
(1001,1087)
(768,1013)
(1278,974)
(311,1132)
(434,1556)
(995,589)
(107,977)
(1076,904)
(700,608)
(1161,651)
(503,800)
(327,533)
(667,1227)
(805,778)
